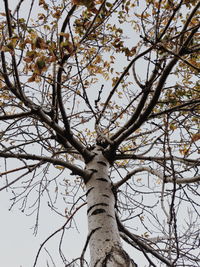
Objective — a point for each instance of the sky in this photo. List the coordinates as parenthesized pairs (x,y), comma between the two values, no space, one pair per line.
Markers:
(19,245)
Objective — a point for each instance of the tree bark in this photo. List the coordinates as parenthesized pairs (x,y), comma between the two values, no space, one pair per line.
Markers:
(104,239)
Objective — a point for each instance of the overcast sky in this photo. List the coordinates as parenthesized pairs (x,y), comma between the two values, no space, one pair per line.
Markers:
(18,245)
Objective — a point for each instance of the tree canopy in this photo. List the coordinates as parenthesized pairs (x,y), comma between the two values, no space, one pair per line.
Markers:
(123,75)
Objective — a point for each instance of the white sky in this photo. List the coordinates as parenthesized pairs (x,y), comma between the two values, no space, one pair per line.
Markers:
(18,245)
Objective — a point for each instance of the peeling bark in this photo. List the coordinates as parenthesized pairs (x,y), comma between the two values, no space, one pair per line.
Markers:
(105,244)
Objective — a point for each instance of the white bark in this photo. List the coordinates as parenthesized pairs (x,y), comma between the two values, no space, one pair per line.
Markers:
(104,239)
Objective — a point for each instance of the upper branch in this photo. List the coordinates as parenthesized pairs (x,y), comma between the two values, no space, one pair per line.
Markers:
(35,109)
(66,134)
(119,81)
(66,21)
(195,162)
(14,63)
(143,116)
(146,90)
(15,116)
(176,108)
(160,175)
(75,170)
(133,125)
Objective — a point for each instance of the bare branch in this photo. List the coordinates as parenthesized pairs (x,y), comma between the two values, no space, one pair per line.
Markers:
(75,170)
(119,81)
(16,116)
(194,162)
(141,243)
(30,169)
(160,175)
(57,231)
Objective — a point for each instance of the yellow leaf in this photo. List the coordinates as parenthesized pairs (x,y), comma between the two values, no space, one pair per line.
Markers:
(196,137)
(65,34)
(59,167)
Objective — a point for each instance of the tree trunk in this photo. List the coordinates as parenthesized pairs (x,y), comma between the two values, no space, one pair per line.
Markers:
(104,239)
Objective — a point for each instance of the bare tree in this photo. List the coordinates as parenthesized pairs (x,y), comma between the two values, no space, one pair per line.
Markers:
(109,91)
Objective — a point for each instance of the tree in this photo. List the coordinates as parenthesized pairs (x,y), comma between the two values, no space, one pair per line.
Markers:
(109,91)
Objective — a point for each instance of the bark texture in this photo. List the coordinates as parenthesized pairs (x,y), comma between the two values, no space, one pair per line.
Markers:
(104,239)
